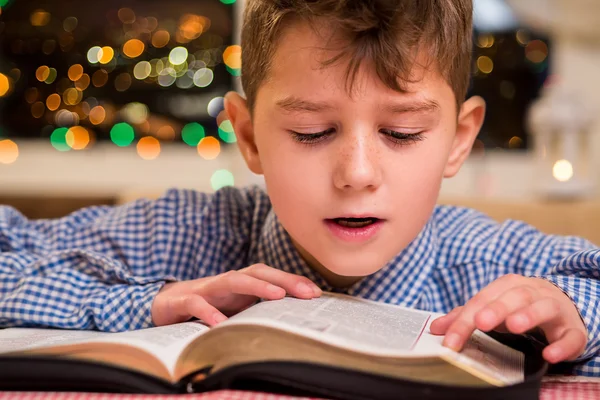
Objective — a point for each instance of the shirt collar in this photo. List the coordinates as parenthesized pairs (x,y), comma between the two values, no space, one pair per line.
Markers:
(399,282)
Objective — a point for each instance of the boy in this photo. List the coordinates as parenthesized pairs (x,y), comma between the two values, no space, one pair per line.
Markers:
(354,113)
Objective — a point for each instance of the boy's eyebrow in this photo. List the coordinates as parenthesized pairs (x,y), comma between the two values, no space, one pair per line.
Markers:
(294,104)
(413,107)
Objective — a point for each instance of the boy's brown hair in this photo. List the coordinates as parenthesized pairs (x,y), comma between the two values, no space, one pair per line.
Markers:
(388,33)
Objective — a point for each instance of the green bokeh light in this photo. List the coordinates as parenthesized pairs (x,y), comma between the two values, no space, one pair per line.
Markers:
(122,134)
(192,133)
(228,1)
(5,2)
(221,178)
(51,76)
(234,71)
(58,139)
(226,132)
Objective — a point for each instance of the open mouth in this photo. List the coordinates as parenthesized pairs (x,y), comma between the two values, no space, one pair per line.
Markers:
(355,222)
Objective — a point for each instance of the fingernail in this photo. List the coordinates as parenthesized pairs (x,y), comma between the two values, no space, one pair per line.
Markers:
(452,341)
(317,290)
(521,320)
(304,289)
(219,317)
(274,289)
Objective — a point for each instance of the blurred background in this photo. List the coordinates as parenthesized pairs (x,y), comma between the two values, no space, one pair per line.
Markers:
(102,102)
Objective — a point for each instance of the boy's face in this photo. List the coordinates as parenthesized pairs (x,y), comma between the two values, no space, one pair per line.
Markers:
(354,197)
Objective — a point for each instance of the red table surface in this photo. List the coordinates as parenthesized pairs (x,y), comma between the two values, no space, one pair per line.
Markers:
(552,389)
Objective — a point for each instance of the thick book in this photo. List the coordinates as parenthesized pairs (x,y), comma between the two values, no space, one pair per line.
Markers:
(334,346)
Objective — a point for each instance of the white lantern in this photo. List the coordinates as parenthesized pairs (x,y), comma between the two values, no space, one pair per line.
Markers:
(560,124)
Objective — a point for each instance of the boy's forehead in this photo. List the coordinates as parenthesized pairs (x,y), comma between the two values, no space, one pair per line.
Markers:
(297,67)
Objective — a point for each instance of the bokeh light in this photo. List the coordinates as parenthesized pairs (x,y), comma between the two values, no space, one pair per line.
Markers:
(93,54)
(226,132)
(72,97)
(228,1)
(97,115)
(178,55)
(209,148)
(4,85)
(75,72)
(105,55)
(562,171)
(160,39)
(148,148)
(70,24)
(42,73)
(122,134)
(100,78)
(135,113)
(9,151)
(133,48)
(232,57)
(221,178)
(40,18)
(142,70)
(37,109)
(123,82)
(203,77)
(485,64)
(83,82)
(166,132)
(51,76)
(77,137)
(192,133)
(126,15)
(215,106)
(58,139)
(536,51)
(53,102)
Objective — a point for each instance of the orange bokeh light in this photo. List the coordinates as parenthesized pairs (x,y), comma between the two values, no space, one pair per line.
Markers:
(209,148)
(148,148)
(9,151)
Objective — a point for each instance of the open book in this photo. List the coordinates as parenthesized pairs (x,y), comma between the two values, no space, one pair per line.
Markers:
(334,331)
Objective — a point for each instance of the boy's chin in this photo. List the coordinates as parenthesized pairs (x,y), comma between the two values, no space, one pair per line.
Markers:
(355,267)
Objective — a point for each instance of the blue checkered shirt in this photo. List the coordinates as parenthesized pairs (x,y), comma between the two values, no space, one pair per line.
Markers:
(100,267)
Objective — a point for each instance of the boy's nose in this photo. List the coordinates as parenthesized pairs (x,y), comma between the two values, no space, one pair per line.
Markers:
(357,165)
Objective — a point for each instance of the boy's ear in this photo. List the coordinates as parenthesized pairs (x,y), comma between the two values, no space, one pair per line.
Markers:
(239,115)
(470,120)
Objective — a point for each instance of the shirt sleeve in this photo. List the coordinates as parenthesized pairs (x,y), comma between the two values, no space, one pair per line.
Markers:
(484,250)
(101,267)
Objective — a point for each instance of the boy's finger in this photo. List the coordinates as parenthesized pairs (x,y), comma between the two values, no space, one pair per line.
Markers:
(464,324)
(239,283)
(570,346)
(496,312)
(296,285)
(534,315)
(441,324)
(198,307)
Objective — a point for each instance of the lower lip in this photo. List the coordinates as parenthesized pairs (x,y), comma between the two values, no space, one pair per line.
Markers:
(354,235)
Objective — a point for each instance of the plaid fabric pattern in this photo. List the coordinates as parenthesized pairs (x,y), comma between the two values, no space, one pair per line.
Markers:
(100,267)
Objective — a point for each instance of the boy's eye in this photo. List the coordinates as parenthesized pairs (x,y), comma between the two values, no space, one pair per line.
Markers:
(311,138)
(400,138)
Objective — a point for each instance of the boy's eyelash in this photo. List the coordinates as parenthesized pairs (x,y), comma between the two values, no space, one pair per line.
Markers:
(398,138)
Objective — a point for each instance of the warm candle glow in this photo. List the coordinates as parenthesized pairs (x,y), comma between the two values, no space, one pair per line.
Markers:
(562,170)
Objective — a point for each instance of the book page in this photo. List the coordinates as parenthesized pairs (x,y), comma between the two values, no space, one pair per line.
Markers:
(385,330)
(357,324)
(485,356)
(164,342)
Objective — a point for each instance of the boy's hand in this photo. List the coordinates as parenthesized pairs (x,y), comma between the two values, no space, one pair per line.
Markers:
(518,304)
(212,298)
